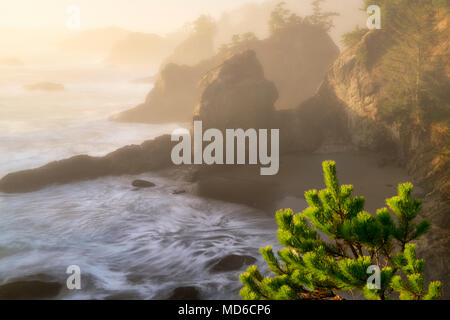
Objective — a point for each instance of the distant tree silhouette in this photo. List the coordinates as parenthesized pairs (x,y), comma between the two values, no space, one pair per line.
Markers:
(282,18)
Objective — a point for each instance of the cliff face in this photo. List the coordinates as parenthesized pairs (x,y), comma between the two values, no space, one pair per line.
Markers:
(357,88)
(295,62)
(238,94)
(354,90)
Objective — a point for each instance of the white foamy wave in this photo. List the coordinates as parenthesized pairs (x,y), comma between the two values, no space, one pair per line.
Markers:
(141,242)
(132,244)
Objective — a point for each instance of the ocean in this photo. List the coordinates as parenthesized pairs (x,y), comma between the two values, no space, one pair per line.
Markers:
(127,244)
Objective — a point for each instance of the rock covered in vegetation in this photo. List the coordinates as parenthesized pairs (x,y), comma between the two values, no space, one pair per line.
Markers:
(295,62)
(354,92)
(237,95)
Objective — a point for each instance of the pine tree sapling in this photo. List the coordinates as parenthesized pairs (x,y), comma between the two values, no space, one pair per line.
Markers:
(331,245)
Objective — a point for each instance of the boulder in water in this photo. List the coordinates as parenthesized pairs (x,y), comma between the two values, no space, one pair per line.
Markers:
(27,290)
(185,293)
(179,191)
(231,262)
(142,184)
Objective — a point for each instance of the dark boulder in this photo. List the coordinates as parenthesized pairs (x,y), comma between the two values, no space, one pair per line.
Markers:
(185,293)
(231,263)
(142,184)
(26,290)
(179,191)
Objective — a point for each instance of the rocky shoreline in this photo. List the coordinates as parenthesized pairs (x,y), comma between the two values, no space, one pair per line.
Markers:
(341,116)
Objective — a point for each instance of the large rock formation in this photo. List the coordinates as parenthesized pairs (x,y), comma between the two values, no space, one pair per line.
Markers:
(356,88)
(173,98)
(151,155)
(237,95)
(295,61)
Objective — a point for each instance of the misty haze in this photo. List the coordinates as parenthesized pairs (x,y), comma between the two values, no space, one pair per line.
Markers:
(89,100)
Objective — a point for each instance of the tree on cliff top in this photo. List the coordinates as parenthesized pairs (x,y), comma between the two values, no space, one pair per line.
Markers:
(204,25)
(320,18)
(412,71)
(414,67)
(282,19)
(310,267)
(198,45)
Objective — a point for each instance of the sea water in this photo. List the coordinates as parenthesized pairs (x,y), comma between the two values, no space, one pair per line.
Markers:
(127,244)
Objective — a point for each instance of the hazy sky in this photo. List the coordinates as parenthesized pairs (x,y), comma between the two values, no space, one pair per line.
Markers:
(159,16)
(30,26)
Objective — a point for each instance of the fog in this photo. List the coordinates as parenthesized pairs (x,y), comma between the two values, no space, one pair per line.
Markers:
(86,113)
(37,32)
